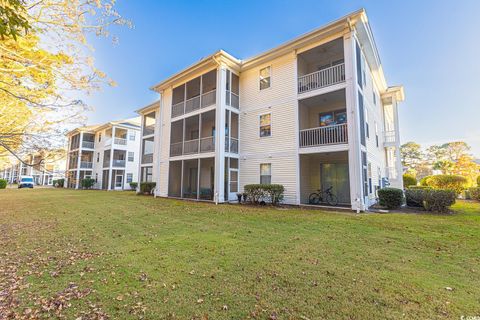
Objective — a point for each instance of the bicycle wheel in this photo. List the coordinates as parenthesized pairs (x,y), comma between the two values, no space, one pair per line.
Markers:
(331,199)
(314,198)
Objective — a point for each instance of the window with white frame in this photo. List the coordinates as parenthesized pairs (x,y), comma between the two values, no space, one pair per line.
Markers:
(376,134)
(131,135)
(98,156)
(266,173)
(99,137)
(129,177)
(266,125)
(265,77)
(131,155)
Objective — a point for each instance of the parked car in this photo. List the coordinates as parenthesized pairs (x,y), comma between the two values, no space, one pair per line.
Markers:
(25,182)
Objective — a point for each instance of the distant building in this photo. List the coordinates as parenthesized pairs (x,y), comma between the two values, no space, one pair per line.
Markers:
(108,153)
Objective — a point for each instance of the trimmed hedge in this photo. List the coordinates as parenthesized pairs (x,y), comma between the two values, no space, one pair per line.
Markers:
(446,182)
(133,185)
(392,198)
(439,200)
(434,200)
(256,193)
(88,183)
(415,196)
(409,180)
(3,183)
(147,187)
(58,183)
(474,193)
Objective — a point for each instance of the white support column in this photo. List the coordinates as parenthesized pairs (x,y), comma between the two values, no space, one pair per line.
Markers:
(398,156)
(79,159)
(157,153)
(220,135)
(297,130)
(109,186)
(353,124)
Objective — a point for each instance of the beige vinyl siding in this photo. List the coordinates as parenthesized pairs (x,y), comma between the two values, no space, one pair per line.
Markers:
(279,149)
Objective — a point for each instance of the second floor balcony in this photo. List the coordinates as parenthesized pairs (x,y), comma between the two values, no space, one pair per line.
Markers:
(323,120)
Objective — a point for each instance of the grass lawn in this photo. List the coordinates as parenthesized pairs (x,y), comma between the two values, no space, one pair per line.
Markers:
(94,254)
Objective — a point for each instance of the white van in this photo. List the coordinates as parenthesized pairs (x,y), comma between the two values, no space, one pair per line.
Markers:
(25,182)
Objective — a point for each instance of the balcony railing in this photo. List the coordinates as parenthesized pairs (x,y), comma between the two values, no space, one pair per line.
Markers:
(176,149)
(86,164)
(322,78)
(118,163)
(390,137)
(192,104)
(207,144)
(209,98)
(231,145)
(120,141)
(190,146)
(148,130)
(147,158)
(335,134)
(204,100)
(88,144)
(235,101)
(194,146)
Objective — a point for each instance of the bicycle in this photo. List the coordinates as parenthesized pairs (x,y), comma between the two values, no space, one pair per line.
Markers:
(323,196)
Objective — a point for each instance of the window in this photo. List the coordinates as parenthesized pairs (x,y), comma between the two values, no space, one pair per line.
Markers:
(98,156)
(370,183)
(376,133)
(332,118)
(367,128)
(99,137)
(265,76)
(131,155)
(361,110)
(266,125)
(265,173)
(131,135)
(129,177)
(374,97)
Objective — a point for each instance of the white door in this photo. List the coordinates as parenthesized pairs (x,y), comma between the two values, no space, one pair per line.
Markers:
(119,181)
(233,185)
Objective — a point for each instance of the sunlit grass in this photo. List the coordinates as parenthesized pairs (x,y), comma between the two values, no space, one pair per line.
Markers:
(169,259)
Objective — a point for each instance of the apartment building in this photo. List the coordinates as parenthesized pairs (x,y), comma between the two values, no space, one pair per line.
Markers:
(313,113)
(43,167)
(107,153)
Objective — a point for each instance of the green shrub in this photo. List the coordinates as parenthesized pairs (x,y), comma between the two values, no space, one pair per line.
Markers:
(392,198)
(478,181)
(409,180)
(445,181)
(474,193)
(415,196)
(3,183)
(147,187)
(133,185)
(58,183)
(418,187)
(438,200)
(256,193)
(88,183)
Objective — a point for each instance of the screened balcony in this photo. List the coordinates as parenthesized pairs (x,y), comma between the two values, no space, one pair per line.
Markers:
(147,150)
(88,141)
(195,94)
(321,67)
(193,135)
(86,160)
(192,179)
(323,120)
(119,158)
(149,124)
(231,132)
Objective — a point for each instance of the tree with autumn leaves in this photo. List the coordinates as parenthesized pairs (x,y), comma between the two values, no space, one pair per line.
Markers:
(452,158)
(46,63)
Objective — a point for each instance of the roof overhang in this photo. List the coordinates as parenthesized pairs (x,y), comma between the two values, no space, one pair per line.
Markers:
(149,108)
(396,92)
(214,60)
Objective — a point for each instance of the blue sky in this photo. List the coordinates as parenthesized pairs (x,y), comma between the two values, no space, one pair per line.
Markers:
(431,47)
